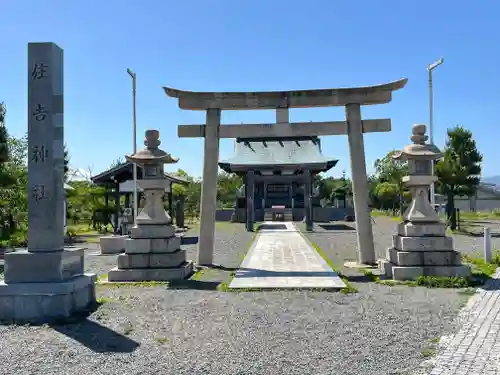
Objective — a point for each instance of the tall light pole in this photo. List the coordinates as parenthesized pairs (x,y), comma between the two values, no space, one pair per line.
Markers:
(134,137)
(430,68)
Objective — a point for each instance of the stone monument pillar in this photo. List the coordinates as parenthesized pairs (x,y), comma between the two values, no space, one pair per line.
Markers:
(421,247)
(153,251)
(45,281)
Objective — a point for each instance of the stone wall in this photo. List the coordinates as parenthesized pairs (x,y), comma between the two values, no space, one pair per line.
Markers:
(320,214)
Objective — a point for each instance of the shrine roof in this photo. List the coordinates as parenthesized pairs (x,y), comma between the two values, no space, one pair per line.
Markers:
(124,172)
(366,95)
(303,152)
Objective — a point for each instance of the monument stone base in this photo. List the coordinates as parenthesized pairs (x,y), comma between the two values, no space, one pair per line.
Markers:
(112,244)
(421,249)
(45,302)
(42,286)
(152,253)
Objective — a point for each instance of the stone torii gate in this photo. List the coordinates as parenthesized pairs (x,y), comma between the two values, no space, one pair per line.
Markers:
(351,98)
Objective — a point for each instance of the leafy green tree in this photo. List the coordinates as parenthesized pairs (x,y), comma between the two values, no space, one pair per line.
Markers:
(4,136)
(227,188)
(191,193)
(459,169)
(331,188)
(392,171)
(13,188)
(387,194)
(66,164)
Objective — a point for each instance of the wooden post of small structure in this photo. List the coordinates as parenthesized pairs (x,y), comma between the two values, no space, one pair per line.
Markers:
(117,206)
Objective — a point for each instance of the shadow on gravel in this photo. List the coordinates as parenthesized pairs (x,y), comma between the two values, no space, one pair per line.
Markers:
(336,227)
(223,268)
(194,284)
(189,240)
(96,337)
(491,284)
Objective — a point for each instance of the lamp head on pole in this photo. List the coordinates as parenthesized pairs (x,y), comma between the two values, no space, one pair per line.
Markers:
(131,73)
(435,64)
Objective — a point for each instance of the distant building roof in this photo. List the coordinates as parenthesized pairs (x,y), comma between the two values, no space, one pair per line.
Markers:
(124,172)
(285,152)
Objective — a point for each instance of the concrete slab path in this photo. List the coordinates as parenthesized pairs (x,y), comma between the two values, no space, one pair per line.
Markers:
(475,349)
(280,257)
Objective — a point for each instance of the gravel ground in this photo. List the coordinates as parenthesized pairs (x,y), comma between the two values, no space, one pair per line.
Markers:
(380,330)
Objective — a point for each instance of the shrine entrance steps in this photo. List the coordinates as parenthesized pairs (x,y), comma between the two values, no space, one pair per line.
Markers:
(282,258)
(270,213)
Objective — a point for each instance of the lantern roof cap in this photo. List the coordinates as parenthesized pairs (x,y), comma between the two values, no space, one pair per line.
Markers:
(419,150)
(152,154)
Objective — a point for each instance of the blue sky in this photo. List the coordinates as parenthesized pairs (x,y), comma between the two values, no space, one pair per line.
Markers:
(249,46)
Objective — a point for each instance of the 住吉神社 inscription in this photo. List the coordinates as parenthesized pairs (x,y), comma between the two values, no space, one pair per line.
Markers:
(46,147)
(39,113)
(39,154)
(39,71)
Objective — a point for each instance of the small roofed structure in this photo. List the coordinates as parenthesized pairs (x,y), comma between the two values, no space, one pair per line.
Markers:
(281,170)
(119,181)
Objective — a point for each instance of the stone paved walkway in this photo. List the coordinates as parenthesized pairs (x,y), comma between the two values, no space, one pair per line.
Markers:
(475,349)
(281,257)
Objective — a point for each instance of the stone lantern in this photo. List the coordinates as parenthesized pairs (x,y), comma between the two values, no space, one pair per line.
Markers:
(421,247)
(152,253)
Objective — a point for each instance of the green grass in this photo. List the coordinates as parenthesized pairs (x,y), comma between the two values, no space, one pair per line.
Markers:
(480,267)
(481,272)
(200,272)
(102,281)
(349,289)
(128,330)
(485,215)
(161,340)
(81,229)
(428,352)
(375,213)
(103,300)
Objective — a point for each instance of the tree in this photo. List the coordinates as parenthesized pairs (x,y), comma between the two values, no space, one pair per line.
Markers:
(387,194)
(191,193)
(227,188)
(66,164)
(4,136)
(459,170)
(392,171)
(117,162)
